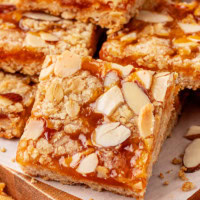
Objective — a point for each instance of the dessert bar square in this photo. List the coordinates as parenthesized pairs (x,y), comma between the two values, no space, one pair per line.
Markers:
(97,123)
(108,14)
(26,38)
(164,38)
(16,101)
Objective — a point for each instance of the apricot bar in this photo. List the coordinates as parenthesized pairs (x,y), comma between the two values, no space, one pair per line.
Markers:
(165,38)
(97,123)
(26,38)
(108,14)
(16,101)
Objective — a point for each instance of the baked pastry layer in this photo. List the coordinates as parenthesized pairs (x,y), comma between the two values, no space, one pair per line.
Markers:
(163,38)
(108,14)
(97,123)
(16,101)
(27,37)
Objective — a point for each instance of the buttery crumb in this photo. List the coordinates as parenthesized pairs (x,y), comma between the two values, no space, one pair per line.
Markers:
(166,183)
(176,161)
(161,175)
(169,171)
(3,149)
(13,160)
(187,186)
(33,180)
(182,175)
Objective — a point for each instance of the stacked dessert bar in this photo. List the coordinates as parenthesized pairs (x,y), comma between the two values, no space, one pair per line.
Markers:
(98,122)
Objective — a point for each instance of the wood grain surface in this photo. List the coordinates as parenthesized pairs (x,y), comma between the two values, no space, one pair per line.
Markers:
(20,187)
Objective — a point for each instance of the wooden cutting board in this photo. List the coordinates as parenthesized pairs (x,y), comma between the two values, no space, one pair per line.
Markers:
(20,187)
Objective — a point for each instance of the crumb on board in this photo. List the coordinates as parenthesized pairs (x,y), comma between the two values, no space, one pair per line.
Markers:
(166,183)
(13,160)
(181,174)
(3,149)
(33,180)
(161,176)
(169,171)
(187,186)
(176,161)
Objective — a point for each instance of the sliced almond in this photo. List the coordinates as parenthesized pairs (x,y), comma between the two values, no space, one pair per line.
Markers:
(191,159)
(194,38)
(111,134)
(41,16)
(153,17)
(5,101)
(33,129)
(184,42)
(75,160)
(160,85)
(125,70)
(189,28)
(109,101)
(49,37)
(146,121)
(138,186)
(129,37)
(146,77)
(67,64)
(134,96)
(193,133)
(88,164)
(55,92)
(46,72)
(111,78)
(34,40)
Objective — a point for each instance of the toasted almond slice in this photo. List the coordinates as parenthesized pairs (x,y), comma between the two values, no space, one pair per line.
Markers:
(146,121)
(191,159)
(5,101)
(67,64)
(134,96)
(160,85)
(55,92)
(45,73)
(193,133)
(49,37)
(109,101)
(111,134)
(153,17)
(184,42)
(33,129)
(111,78)
(138,186)
(194,38)
(41,16)
(125,70)
(129,37)
(75,159)
(34,40)
(146,77)
(189,28)
(88,164)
